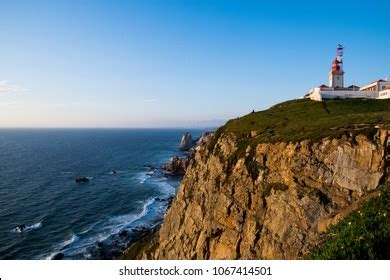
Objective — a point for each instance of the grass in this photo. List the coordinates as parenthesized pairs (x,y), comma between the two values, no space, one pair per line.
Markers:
(301,119)
(363,234)
(306,119)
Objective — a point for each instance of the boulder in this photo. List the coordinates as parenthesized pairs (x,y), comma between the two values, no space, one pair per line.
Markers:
(177,166)
(59,256)
(20,228)
(123,234)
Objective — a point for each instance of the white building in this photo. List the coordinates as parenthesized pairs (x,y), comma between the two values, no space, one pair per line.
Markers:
(378,89)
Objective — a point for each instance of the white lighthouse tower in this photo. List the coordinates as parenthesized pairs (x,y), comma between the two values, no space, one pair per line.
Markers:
(336,75)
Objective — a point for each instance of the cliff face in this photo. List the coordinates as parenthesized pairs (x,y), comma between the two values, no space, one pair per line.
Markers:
(267,201)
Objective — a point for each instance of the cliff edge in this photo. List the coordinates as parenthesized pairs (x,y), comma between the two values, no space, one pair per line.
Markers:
(269,183)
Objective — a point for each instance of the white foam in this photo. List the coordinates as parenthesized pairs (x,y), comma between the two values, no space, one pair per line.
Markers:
(129,218)
(161,179)
(76,245)
(142,177)
(166,188)
(73,239)
(35,226)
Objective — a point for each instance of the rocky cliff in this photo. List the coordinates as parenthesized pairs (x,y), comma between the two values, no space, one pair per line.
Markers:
(245,196)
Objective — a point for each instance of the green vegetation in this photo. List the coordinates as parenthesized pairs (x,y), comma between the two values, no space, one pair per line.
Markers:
(363,234)
(306,119)
(301,119)
(252,166)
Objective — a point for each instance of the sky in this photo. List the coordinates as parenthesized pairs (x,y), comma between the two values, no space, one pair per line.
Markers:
(176,63)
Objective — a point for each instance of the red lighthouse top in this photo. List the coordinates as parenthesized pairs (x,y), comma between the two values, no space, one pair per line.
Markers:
(337,64)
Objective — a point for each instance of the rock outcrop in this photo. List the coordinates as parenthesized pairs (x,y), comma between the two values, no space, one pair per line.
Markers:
(186,142)
(177,166)
(268,200)
(204,138)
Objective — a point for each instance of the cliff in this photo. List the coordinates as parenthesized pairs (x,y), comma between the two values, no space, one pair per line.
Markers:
(269,183)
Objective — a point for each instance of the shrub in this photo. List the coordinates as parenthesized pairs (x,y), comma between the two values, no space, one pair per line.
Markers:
(363,234)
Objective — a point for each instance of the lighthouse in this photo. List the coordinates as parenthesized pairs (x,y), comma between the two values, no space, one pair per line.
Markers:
(379,89)
(336,75)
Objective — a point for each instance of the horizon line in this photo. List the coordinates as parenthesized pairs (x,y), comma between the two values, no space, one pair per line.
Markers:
(178,127)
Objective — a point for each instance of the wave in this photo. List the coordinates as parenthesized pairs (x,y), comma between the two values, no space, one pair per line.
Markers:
(159,182)
(73,239)
(128,219)
(62,246)
(165,188)
(161,179)
(142,177)
(84,245)
(78,244)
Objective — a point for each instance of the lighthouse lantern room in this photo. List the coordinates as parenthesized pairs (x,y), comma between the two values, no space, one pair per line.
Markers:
(336,75)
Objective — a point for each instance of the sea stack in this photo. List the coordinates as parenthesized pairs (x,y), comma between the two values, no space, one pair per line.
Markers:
(186,142)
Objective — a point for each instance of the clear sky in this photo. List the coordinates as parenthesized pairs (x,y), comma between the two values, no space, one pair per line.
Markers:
(175,63)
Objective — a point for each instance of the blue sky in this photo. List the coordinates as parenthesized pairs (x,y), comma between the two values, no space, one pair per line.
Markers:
(175,63)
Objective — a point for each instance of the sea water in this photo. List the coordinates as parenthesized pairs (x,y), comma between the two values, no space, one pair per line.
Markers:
(127,189)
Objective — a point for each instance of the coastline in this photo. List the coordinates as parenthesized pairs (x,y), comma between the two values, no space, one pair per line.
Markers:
(125,198)
(176,167)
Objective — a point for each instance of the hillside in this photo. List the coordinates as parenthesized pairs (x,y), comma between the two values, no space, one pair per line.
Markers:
(306,119)
(270,184)
(363,234)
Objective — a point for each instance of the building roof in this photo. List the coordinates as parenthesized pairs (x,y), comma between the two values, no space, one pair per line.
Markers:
(323,86)
(378,81)
(353,86)
(374,82)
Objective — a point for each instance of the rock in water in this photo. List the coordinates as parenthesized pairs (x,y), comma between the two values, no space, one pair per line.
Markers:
(186,142)
(81,179)
(177,166)
(59,256)
(20,228)
(123,234)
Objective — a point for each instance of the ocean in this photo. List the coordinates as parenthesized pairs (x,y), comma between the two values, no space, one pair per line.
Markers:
(127,190)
